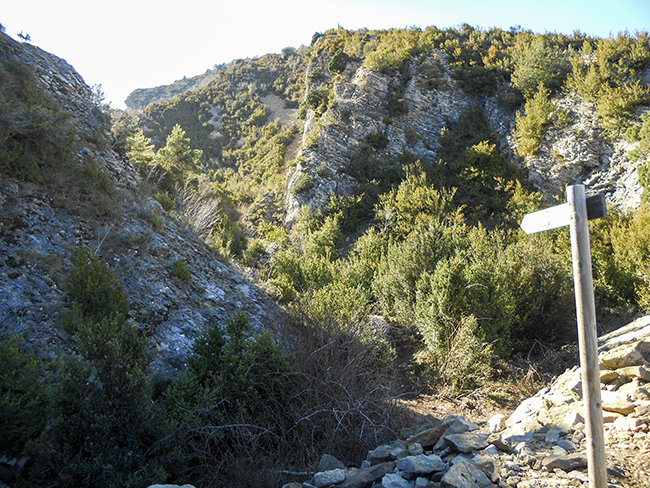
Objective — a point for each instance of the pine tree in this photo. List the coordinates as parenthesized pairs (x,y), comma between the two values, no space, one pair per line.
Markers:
(139,148)
(177,156)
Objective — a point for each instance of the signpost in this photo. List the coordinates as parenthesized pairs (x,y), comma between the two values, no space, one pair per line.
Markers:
(575,213)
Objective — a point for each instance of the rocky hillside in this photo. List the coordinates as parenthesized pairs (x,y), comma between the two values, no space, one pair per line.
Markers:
(360,110)
(142,97)
(39,232)
(372,184)
(347,100)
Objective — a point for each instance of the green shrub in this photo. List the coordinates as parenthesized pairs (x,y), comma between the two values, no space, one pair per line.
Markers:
(377,141)
(339,62)
(95,289)
(517,292)
(531,127)
(393,53)
(304,183)
(477,80)
(431,73)
(318,100)
(464,361)
(181,270)
(103,427)
(395,103)
(234,399)
(630,240)
(24,401)
(35,135)
(611,76)
(538,61)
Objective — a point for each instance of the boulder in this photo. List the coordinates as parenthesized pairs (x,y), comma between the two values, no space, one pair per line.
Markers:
(364,478)
(328,463)
(465,475)
(467,442)
(328,478)
(421,464)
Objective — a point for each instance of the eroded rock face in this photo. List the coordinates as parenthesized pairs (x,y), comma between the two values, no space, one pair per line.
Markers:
(38,237)
(575,152)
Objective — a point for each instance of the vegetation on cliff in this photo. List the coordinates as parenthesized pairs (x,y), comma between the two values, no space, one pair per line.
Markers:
(431,248)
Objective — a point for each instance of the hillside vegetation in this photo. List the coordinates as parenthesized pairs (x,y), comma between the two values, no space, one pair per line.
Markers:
(430,243)
(380,228)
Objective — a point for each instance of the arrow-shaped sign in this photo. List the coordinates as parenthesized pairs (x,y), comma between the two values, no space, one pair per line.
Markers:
(560,215)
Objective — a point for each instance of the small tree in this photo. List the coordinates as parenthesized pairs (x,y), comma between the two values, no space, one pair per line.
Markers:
(531,127)
(177,156)
(537,61)
(139,148)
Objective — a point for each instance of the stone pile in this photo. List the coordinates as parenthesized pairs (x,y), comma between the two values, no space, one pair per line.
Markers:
(541,445)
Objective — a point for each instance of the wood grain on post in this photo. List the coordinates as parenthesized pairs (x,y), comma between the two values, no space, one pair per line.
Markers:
(587,336)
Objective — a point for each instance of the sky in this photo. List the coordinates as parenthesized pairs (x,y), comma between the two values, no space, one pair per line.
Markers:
(123,45)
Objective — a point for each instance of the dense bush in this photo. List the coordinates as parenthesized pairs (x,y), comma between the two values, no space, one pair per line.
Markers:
(339,62)
(610,75)
(377,141)
(95,289)
(35,135)
(24,396)
(537,60)
(531,126)
(103,428)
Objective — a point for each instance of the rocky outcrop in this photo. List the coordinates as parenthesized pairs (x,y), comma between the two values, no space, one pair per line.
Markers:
(141,244)
(542,444)
(361,110)
(577,152)
(573,152)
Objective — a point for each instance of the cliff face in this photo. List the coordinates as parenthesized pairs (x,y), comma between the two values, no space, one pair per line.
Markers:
(39,233)
(573,153)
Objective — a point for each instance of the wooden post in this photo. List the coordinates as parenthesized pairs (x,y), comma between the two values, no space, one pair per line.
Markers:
(575,213)
(587,336)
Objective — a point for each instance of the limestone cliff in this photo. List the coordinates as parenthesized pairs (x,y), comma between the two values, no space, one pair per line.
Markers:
(574,153)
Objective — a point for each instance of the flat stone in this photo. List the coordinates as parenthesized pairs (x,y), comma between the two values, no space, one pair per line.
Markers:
(633,354)
(630,423)
(640,372)
(421,464)
(171,486)
(381,454)
(553,435)
(565,463)
(610,417)
(465,475)
(566,445)
(571,420)
(467,442)
(554,416)
(526,411)
(392,480)
(607,375)
(619,406)
(364,478)
(415,449)
(328,478)
(430,437)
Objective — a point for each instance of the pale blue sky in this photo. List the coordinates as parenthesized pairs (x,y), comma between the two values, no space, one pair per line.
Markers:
(131,44)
